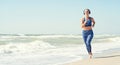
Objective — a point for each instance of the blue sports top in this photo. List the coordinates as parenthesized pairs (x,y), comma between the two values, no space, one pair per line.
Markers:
(88,22)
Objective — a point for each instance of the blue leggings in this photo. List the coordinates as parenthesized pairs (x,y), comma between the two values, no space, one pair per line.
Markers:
(87,37)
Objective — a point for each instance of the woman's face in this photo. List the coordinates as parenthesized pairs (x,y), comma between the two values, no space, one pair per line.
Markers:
(86,12)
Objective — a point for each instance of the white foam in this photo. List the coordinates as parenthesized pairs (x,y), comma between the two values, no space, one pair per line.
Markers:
(25,47)
(100,47)
(58,36)
(115,39)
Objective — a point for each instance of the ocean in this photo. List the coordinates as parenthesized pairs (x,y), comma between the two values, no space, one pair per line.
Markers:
(51,49)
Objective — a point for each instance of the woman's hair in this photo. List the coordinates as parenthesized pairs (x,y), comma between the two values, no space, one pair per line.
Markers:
(88,10)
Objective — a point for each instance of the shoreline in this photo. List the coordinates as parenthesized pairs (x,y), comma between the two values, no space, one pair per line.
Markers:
(111,59)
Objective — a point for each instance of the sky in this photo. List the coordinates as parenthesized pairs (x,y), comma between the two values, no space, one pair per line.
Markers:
(57,16)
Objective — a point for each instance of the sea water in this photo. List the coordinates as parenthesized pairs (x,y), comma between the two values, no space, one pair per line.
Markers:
(51,49)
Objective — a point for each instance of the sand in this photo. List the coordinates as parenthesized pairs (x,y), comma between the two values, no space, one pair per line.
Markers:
(111,59)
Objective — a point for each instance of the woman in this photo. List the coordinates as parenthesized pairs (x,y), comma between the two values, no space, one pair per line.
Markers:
(87,24)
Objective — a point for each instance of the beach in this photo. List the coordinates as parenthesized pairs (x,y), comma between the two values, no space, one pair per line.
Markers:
(111,59)
(51,49)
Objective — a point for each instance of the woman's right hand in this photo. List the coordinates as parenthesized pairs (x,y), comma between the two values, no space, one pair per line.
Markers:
(82,22)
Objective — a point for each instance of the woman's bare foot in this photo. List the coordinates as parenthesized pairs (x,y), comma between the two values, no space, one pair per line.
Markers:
(90,55)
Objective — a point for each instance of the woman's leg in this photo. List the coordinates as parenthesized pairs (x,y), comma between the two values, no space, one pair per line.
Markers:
(88,44)
(87,37)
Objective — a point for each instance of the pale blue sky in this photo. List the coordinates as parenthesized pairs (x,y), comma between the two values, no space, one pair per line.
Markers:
(57,16)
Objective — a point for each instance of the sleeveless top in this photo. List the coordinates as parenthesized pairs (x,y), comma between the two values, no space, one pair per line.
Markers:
(88,22)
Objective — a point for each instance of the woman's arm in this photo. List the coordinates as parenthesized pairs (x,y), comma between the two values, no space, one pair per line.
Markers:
(93,22)
(82,22)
